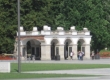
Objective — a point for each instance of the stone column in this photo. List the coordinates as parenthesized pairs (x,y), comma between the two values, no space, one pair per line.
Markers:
(61,52)
(21,52)
(45,52)
(87,51)
(25,52)
(74,48)
(70,48)
(34,52)
(15,48)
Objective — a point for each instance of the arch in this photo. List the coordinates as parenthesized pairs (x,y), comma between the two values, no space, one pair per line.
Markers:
(24,41)
(56,41)
(81,45)
(54,48)
(69,41)
(32,48)
(67,48)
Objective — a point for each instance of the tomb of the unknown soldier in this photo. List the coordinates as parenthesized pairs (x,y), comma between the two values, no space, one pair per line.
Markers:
(51,45)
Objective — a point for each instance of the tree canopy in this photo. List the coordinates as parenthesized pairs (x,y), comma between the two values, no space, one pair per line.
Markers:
(93,14)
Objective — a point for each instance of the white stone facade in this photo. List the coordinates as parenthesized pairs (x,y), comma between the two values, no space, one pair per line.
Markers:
(46,44)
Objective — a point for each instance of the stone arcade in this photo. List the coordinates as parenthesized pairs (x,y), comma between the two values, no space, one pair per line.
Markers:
(45,44)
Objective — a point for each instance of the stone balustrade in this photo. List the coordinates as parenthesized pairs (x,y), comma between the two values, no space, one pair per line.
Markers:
(59,31)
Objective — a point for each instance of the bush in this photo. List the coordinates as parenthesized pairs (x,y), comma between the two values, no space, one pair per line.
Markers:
(6,57)
(104,53)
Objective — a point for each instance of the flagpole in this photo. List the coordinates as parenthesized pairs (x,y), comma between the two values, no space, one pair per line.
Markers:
(19,59)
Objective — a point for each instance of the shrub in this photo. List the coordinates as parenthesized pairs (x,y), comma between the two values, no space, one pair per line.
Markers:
(104,53)
(6,57)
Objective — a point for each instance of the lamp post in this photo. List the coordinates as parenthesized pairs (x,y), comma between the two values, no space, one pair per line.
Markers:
(19,59)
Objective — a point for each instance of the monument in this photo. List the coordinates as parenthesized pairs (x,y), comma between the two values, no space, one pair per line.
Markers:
(46,44)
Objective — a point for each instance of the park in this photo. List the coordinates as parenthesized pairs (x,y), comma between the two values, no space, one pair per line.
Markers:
(38,36)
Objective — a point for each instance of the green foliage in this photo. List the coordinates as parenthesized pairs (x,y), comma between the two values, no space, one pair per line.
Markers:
(105,50)
(93,14)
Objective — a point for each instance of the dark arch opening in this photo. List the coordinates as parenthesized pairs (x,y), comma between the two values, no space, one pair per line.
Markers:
(80,46)
(66,50)
(54,49)
(34,49)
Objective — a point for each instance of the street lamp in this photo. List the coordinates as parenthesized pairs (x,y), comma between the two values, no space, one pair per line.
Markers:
(19,59)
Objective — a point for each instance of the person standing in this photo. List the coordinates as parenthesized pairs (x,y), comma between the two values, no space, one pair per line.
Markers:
(78,55)
(92,55)
(71,55)
(82,55)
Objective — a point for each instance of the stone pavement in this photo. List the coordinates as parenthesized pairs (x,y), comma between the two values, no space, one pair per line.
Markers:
(103,71)
(72,78)
(98,61)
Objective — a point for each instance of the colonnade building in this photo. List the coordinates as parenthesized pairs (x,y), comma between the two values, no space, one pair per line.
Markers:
(46,44)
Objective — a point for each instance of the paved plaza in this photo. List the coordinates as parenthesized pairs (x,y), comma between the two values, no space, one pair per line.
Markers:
(104,72)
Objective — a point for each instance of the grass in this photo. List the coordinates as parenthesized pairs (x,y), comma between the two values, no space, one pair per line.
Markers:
(47,66)
(28,76)
(55,66)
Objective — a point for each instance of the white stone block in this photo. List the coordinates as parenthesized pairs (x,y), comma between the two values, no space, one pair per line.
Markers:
(34,28)
(60,28)
(47,33)
(4,67)
(49,28)
(21,33)
(21,28)
(61,33)
(74,33)
(45,27)
(73,27)
(87,33)
(42,32)
(35,33)
(85,29)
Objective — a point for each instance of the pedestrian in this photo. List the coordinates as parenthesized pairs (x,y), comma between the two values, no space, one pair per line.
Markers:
(92,55)
(78,55)
(71,55)
(82,54)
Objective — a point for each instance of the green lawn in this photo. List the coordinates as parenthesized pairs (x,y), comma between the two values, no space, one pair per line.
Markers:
(47,66)
(28,76)
(54,66)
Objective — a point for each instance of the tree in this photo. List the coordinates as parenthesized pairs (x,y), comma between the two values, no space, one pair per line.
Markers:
(8,21)
(93,14)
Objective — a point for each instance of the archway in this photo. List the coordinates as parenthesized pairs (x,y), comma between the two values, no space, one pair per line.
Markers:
(33,49)
(67,48)
(81,46)
(54,48)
